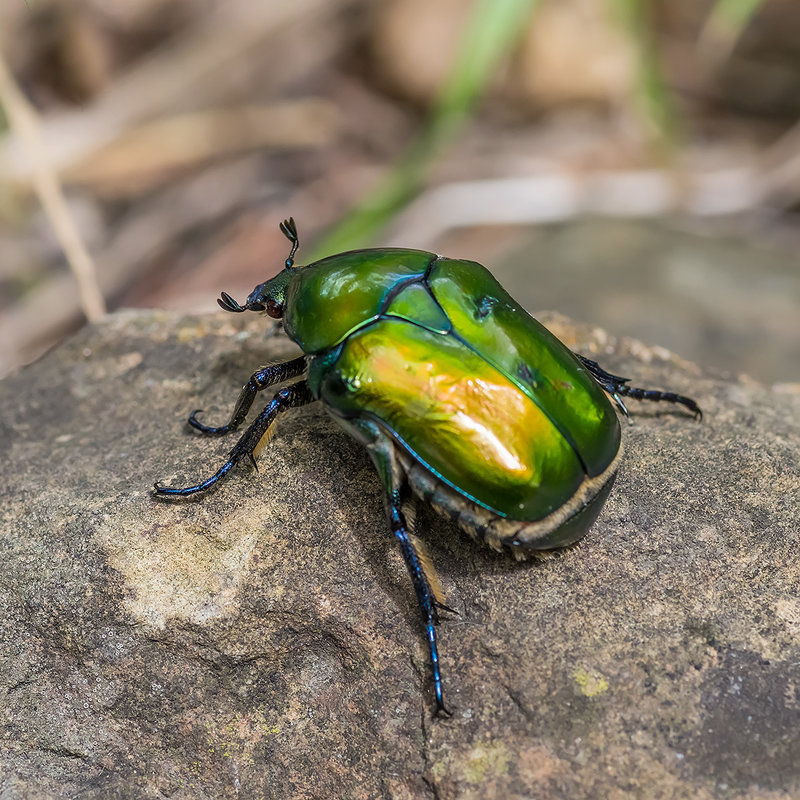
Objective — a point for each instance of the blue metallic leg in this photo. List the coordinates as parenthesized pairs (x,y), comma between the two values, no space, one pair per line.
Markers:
(382,450)
(425,599)
(617,388)
(260,379)
(298,394)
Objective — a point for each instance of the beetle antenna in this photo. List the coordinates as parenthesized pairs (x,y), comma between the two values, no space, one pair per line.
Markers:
(229,304)
(289,230)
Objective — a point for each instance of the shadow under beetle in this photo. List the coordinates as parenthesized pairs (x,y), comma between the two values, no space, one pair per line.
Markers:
(462,399)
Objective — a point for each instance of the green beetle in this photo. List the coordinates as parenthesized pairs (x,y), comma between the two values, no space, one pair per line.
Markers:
(461,398)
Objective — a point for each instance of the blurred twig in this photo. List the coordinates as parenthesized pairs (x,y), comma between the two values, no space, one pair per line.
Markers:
(159,82)
(559,196)
(491,32)
(144,155)
(23,119)
(178,76)
(780,165)
(188,205)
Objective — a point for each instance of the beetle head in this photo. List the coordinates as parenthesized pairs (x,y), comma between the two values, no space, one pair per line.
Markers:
(269,296)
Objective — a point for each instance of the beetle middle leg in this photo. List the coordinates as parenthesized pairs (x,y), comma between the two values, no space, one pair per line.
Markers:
(297,394)
(425,596)
(617,387)
(261,379)
(424,579)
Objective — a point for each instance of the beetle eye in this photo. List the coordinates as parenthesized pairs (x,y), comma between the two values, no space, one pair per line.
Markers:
(274,309)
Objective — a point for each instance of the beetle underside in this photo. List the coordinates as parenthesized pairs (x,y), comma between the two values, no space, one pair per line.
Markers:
(523,538)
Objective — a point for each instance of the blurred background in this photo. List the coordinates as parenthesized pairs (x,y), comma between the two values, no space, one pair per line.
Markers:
(634,164)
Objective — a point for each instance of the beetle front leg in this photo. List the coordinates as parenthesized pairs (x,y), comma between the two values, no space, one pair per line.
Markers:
(259,380)
(298,394)
(617,387)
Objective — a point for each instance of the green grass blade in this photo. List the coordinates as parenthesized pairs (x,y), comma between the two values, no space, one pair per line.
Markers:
(725,24)
(652,94)
(491,33)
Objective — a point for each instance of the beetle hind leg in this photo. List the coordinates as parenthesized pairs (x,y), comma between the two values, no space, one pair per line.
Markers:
(617,387)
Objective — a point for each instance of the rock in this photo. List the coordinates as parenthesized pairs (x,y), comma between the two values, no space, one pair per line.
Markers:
(264,641)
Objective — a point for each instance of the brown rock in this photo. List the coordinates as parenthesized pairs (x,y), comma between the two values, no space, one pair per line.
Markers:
(264,641)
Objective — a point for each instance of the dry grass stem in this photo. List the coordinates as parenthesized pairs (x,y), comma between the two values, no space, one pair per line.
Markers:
(160,82)
(24,121)
(560,196)
(143,155)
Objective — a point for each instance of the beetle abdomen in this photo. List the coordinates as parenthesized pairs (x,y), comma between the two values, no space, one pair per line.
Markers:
(563,527)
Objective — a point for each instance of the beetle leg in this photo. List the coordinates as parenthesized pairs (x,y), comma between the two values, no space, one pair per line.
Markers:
(297,394)
(656,395)
(418,563)
(260,379)
(425,595)
(620,405)
(617,386)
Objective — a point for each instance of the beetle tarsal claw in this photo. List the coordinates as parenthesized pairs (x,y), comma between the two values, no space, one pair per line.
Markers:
(442,712)
(620,404)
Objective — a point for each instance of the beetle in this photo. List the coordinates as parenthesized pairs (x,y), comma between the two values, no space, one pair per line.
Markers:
(462,399)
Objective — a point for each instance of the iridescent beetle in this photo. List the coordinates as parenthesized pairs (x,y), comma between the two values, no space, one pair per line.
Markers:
(461,398)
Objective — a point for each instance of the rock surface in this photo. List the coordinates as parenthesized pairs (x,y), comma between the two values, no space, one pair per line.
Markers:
(264,641)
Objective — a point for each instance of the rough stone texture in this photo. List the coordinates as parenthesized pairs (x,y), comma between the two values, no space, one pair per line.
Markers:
(264,641)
